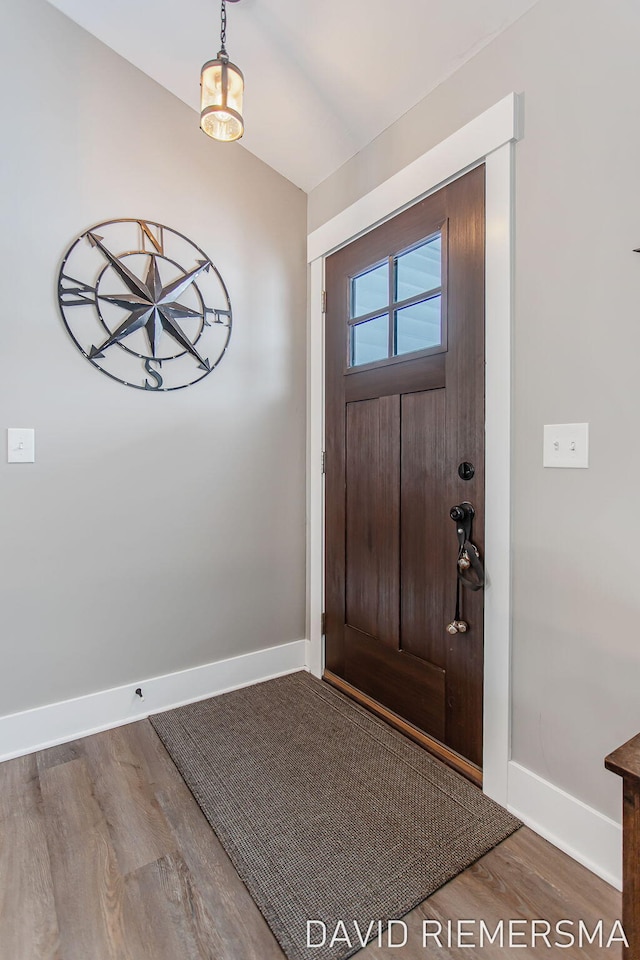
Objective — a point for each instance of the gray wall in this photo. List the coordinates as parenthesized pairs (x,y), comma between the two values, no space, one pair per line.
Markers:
(154,532)
(576,658)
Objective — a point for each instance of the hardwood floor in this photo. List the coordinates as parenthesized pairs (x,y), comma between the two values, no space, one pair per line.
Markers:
(105,855)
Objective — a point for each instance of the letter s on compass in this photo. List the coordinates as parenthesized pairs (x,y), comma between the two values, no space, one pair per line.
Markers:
(157,376)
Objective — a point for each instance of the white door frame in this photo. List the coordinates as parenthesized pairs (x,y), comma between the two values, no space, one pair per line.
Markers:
(488,139)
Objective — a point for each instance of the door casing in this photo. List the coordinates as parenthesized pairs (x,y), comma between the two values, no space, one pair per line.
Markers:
(488,139)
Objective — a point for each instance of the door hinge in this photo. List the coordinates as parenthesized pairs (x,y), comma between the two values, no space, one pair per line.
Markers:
(324,461)
(324,301)
(323,626)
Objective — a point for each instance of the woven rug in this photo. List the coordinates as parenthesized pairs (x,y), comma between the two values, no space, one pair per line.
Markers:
(327,813)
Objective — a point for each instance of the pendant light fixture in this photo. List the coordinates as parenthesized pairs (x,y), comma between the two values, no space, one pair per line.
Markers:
(221,92)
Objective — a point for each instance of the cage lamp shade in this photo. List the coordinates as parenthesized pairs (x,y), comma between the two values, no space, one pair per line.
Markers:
(221,93)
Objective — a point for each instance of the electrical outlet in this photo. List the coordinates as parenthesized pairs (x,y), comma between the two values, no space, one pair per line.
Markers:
(566,445)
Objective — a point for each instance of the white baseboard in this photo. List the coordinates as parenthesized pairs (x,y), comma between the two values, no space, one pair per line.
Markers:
(42,727)
(585,834)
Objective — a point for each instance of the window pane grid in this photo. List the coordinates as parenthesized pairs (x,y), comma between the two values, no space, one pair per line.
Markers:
(395,307)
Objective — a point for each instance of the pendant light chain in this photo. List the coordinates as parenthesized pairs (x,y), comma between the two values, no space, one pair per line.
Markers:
(223,26)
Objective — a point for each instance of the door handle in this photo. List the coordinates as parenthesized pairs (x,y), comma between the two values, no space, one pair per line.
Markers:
(469,566)
(463,513)
(462,510)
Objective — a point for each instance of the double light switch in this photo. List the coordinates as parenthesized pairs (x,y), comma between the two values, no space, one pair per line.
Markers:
(566,445)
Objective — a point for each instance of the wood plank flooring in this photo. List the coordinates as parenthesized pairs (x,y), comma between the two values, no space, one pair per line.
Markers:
(105,855)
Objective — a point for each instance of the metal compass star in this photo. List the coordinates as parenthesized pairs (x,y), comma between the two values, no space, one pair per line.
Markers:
(150,304)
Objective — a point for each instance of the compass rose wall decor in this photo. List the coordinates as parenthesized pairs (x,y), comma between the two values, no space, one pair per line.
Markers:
(144,304)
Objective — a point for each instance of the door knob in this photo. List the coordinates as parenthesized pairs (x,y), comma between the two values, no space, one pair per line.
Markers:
(462,511)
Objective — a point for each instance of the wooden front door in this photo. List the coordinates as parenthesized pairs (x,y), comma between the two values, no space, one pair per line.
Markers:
(404,412)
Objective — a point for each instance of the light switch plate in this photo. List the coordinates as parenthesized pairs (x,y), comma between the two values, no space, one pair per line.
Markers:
(21,445)
(566,445)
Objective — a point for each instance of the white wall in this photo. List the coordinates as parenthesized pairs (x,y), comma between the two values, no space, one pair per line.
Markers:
(154,532)
(576,659)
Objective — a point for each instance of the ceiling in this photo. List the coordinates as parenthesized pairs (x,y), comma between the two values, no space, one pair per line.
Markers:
(323,77)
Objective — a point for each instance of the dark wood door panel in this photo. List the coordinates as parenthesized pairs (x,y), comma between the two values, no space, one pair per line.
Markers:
(391,677)
(465,658)
(427,373)
(373,512)
(427,533)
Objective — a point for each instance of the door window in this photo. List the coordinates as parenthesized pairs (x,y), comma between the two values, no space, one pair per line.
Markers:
(396,307)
